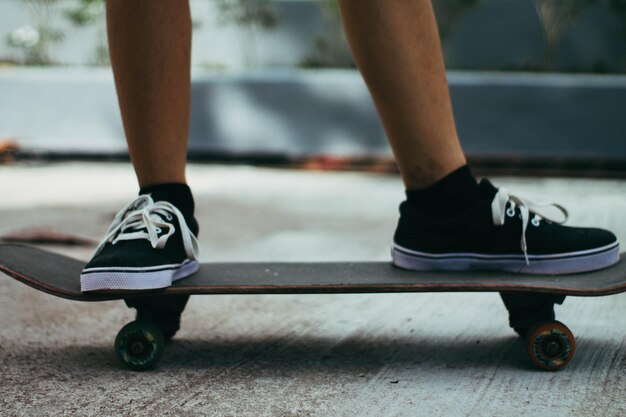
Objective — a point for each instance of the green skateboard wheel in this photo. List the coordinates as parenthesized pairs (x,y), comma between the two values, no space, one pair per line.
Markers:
(139,345)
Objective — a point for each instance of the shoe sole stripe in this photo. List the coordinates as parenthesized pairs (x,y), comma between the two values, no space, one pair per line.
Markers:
(503,257)
(603,258)
(136,279)
(171,267)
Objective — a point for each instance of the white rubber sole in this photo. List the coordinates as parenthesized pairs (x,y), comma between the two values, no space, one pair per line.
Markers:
(117,278)
(556,264)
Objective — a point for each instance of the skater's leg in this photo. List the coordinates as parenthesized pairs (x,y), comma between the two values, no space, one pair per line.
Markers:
(396,46)
(449,221)
(150,46)
(152,242)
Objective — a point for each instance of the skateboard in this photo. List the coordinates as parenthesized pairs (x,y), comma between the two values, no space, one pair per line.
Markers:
(139,345)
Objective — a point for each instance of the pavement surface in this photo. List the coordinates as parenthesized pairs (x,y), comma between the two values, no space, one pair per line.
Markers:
(295,355)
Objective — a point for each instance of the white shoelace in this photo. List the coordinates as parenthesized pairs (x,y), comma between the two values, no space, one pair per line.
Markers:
(145,219)
(499,211)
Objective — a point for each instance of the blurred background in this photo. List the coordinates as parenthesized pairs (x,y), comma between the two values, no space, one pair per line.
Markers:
(290,163)
(538,86)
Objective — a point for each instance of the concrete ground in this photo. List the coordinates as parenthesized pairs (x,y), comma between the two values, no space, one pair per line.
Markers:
(295,355)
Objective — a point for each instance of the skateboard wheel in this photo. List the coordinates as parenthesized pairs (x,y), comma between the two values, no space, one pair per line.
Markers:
(139,345)
(550,346)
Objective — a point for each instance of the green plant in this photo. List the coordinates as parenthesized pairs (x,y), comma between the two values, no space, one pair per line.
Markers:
(619,8)
(330,49)
(449,12)
(92,12)
(249,16)
(85,12)
(34,40)
(556,17)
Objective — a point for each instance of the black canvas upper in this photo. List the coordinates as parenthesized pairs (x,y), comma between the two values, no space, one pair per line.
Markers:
(139,252)
(473,231)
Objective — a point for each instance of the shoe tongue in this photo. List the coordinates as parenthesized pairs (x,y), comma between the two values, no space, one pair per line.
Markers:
(177,194)
(184,203)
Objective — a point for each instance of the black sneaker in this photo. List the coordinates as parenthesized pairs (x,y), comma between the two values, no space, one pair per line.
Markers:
(149,245)
(503,232)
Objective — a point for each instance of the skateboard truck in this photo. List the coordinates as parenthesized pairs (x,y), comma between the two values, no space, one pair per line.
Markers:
(550,344)
(163,311)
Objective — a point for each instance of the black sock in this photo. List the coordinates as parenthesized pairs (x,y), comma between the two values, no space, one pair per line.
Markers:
(451,195)
(176,193)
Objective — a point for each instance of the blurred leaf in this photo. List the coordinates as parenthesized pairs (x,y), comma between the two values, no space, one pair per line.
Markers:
(556,17)
(86,12)
(259,13)
(449,12)
(330,48)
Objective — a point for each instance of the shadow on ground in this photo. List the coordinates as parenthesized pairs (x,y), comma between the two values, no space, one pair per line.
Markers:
(310,355)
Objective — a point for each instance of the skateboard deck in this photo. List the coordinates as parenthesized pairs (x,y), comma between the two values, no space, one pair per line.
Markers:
(59,275)
(550,345)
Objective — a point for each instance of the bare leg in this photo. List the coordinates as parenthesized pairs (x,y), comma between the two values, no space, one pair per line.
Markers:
(396,46)
(150,45)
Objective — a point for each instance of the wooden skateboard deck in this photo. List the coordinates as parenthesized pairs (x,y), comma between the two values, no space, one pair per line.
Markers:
(59,275)
(139,345)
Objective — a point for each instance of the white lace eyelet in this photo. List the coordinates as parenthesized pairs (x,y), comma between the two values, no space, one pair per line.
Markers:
(158,230)
(510,212)
(169,217)
(535,222)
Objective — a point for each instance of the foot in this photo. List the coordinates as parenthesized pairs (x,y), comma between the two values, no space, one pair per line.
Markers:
(148,246)
(500,232)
